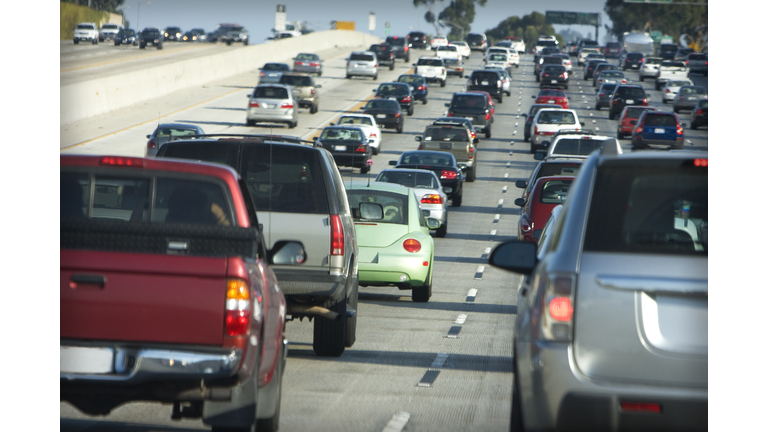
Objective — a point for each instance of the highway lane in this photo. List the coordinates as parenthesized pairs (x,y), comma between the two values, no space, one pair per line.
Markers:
(398,341)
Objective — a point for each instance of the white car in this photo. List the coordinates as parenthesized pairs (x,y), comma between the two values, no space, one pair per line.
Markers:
(432,69)
(463,47)
(448,52)
(438,41)
(518,44)
(650,67)
(583,54)
(672,87)
(367,123)
(548,121)
(497,59)
(579,145)
(566,61)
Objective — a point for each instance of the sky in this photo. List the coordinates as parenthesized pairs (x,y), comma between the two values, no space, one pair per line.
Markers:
(258,17)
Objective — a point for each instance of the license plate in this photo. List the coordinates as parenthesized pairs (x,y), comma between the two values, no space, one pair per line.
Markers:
(381,116)
(629,101)
(658,131)
(445,146)
(340,148)
(554,81)
(550,101)
(86,360)
(691,97)
(268,105)
(484,83)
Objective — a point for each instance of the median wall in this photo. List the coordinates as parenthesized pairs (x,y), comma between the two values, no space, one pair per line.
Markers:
(100,96)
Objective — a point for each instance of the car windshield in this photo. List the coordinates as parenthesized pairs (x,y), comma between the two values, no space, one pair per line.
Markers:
(296,80)
(410,179)
(270,93)
(382,104)
(394,205)
(445,133)
(659,206)
(576,146)
(85,27)
(497,57)
(611,74)
(659,120)
(426,158)
(307,57)
(672,64)
(653,60)
(607,88)
(361,57)
(635,112)
(355,120)
(276,67)
(396,41)
(552,92)
(338,134)
(556,117)
(554,191)
(430,62)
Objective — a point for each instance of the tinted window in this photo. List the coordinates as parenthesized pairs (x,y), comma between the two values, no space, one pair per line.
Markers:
(271,93)
(201,151)
(634,56)
(552,60)
(556,117)
(355,120)
(410,179)
(474,38)
(659,120)
(193,202)
(630,92)
(672,64)
(430,62)
(607,88)
(446,133)
(165,132)
(656,207)
(383,104)
(468,101)
(361,57)
(556,169)
(341,135)
(276,67)
(479,77)
(612,45)
(635,112)
(576,146)
(85,27)
(692,90)
(554,69)
(427,158)
(395,205)
(397,42)
(393,90)
(697,57)
(295,80)
(307,57)
(411,79)
(653,61)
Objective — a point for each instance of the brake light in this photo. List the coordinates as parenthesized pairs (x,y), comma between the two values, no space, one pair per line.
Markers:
(420,147)
(312,91)
(679,129)
(122,161)
(471,153)
(525,224)
(442,69)
(447,175)
(372,135)
(488,116)
(639,130)
(699,111)
(450,113)
(406,48)
(412,245)
(337,236)
(535,130)
(557,306)
(561,309)
(623,81)
(407,99)
(238,308)
(360,148)
(544,74)
(262,74)
(432,199)
(641,407)
(151,143)
(286,105)
(397,115)
(645,102)
(666,91)
(253,104)
(421,87)
(314,64)
(701,162)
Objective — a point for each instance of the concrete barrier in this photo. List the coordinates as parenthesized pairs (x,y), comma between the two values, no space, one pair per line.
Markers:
(100,96)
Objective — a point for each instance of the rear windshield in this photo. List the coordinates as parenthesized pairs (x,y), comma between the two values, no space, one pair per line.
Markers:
(552,60)
(410,179)
(270,93)
(109,27)
(361,57)
(426,158)
(659,206)
(165,132)
(126,197)
(445,133)
(475,38)
(85,27)
(693,90)
(497,57)
(557,169)
(551,92)
(382,104)
(296,80)
(395,205)
(416,34)
(304,56)
(342,135)
(393,90)
(430,62)
(556,117)
(659,120)
(276,67)
(554,69)
(468,101)
(607,88)
(668,48)
(672,64)
(697,57)
(634,56)
(653,60)
(398,41)
(613,45)
(355,121)
(576,146)
(479,77)
(447,48)
(546,43)
(611,74)
(554,191)
(411,79)
(631,92)
(678,83)
(635,112)
(451,62)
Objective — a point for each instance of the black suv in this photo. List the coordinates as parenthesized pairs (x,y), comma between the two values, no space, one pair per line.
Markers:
(667,51)
(400,47)
(544,61)
(477,42)
(397,90)
(474,106)
(150,36)
(417,39)
(625,95)
(172,34)
(297,187)
(125,37)
(632,60)
(487,80)
(384,54)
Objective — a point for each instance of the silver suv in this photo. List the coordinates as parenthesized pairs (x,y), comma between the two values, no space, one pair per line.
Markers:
(272,103)
(299,194)
(363,63)
(304,89)
(611,332)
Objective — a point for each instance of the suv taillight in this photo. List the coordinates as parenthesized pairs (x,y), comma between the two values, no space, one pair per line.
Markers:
(286,105)
(337,236)
(679,129)
(557,307)
(238,308)
(450,113)
(471,152)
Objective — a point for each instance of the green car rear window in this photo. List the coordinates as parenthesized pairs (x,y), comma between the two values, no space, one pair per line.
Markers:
(395,205)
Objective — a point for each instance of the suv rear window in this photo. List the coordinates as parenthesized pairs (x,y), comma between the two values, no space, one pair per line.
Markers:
(475,38)
(697,57)
(552,60)
(556,117)
(468,101)
(635,112)
(576,146)
(634,56)
(658,206)
(430,62)
(276,67)
(270,93)
(630,92)
(396,41)
(361,57)
(613,45)
(296,80)
(659,120)
(479,77)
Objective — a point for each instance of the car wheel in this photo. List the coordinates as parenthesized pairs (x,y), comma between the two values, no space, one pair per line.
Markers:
(509,93)
(236,414)
(598,107)
(566,86)
(392,66)
(471,174)
(516,420)
(159,47)
(501,98)
(376,77)
(488,133)
(664,101)
(442,83)
(75,41)
(456,201)
(350,336)
(348,77)
(424,101)
(375,150)
(364,169)
(313,109)
(611,116)
(676,110)
(330,335)
(292,125)
(95,42)
(245,42)
(250,122)
(423,293)
(538,78)
(142,46)
(117,43)
(533,148)
(443,230)
(410,110)
(400,129)
(694,125)
(642,78)
(229,43)
(658,87)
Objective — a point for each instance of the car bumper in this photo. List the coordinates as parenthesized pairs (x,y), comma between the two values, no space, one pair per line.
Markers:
(639,141)
(314,283)
(362,72)
(265,116)
(307,69)
(392,267)
(685,105)
(389,123)
(555,395)
(132,364)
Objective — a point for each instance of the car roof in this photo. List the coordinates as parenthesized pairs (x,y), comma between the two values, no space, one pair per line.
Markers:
(177,125)
(415,170)
(381,186)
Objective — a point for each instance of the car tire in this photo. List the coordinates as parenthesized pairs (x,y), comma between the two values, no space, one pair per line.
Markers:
(566,86)
(598,107)
(392,66)
(532,150)
(245,42)
(424,101)
(516,414)
(329,336)
(75,41)
(676,110)
(658,87)
(159,47)
(509,93)
(611,116)
(376,77)
(456,201)
(664,101)
(117,43)
(375,150)
(399,129)
(313,109)
(348,76)
(292,125)
(364,169)
(410,110)
(641,78)
(250,122)
(228,43)
(442,83)
(423,293)
(443,230)
(232,415)
(142,46)
(471,174)
(694,125)
(538,79)
(351,332)
(95,42)
(488,133)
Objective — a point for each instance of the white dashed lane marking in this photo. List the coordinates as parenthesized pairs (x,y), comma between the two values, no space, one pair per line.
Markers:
(461,319)
(397,422)
(472,294)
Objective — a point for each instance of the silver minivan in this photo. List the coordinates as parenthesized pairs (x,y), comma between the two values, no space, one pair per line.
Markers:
(272,103)
(363,63)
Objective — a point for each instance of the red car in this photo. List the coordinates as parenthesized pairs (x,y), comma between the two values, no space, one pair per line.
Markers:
(552,96)
(548,192)
(628,119)
(490,100)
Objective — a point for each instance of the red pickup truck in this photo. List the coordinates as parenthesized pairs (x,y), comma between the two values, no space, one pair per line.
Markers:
(166,293)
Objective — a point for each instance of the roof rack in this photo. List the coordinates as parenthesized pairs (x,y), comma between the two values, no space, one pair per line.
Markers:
(263,137)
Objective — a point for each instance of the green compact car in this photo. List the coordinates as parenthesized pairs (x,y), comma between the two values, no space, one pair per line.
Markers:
(394,245)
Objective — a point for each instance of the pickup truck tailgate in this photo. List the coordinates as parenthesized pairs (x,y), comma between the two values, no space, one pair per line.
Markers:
(459,150)
(177,299)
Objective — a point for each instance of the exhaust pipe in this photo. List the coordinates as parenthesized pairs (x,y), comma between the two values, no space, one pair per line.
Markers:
(297,309)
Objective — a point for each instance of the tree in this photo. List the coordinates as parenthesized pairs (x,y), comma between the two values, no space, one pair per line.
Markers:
(670,19)
(529,27)
(457,16)
(102,5)
(430,15)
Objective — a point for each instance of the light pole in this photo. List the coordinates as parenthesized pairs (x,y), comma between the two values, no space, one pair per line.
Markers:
(138,12)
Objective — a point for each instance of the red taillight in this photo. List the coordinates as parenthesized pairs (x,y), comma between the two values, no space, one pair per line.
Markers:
(450,113)
(544,74)
(666,91)
(406,48)
(639,130)
(535,130)
(525,224)
(412,245)
(337,236)
(238,308)
(151,144)
(262,74)
(701,162)
(679,130)
(645,102)
(360,148)
(286,105)
(253,104)
(421,87)
(314,64)
(699,111)
(623,81)
(432,199)
(397,115)
(641,407)
(122,161)
(561,309)
(471,153)
(487,116)
(448,175)
(407,99)
(420,147)
(312,91)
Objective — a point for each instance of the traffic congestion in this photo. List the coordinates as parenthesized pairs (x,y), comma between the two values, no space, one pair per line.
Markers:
(415,234)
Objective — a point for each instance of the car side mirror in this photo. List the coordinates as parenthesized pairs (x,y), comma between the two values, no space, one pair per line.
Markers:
(597,90)
(433,223)
(413,64)
(539,155)
(374,90)
(463,166)
(314,138)
(521,184)
(514,255)
(393,163)
(525,116)
(520,202)
(148,136)
(417,138)
(371,141)
(371,211)
(287,253)
(533,97)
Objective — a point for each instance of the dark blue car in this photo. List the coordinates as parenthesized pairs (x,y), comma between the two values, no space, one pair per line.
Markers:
(656,128)
(418,86)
